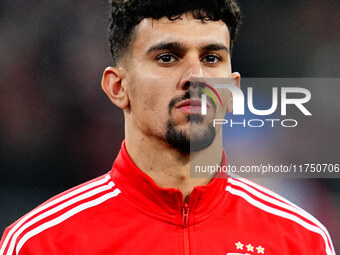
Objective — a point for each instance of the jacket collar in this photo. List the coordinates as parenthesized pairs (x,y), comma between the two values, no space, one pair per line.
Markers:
(165,203)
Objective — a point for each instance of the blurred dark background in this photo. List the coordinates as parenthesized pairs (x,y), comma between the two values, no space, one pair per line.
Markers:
(58,129)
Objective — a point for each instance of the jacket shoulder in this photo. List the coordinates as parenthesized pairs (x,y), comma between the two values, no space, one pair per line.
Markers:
(55,211)
(282,213)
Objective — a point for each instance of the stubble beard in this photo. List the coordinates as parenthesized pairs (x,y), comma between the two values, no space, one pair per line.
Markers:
(187,142)
(198,137)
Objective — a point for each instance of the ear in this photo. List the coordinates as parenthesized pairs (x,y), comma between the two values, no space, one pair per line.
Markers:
(112,84)
(236,77)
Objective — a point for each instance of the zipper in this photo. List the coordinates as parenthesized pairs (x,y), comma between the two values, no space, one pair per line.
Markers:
(185,218)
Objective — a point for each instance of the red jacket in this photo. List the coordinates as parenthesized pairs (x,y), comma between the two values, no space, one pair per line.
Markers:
(125,212)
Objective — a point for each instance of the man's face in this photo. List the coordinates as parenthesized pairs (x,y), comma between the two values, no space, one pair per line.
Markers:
(163,57)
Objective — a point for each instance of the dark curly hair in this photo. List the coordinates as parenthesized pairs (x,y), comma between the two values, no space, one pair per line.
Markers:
(127,14)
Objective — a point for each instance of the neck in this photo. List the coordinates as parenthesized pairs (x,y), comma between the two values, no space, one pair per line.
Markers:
(168,167)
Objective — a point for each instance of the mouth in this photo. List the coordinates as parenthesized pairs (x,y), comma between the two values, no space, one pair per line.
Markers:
(190,106)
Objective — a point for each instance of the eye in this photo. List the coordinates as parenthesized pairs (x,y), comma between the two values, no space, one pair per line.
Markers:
(212,59)
(166,58)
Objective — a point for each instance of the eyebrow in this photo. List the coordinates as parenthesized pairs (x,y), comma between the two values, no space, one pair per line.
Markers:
(166,46)
(215,47)
(176,46)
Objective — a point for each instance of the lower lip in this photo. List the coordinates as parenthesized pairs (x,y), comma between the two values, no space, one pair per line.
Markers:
(190,109)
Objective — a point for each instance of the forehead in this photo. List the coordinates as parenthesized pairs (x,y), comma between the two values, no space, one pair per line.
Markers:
(185,30)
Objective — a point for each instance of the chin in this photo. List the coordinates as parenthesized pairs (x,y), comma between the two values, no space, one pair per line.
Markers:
(195,137)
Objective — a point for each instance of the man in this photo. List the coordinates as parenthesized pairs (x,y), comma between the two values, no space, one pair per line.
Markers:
(147,203)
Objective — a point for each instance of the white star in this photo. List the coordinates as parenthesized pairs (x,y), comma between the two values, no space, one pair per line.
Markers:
(260,249)
(250,247)
(239,245)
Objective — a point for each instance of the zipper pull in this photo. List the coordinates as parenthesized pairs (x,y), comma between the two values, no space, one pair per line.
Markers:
(185,211)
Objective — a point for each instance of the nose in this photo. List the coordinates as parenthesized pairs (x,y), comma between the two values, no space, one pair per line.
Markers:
(192,69)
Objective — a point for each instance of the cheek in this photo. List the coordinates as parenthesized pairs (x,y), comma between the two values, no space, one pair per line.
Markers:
(227,101)
(141,93)
(150,95)
(149,108)
(143,103)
